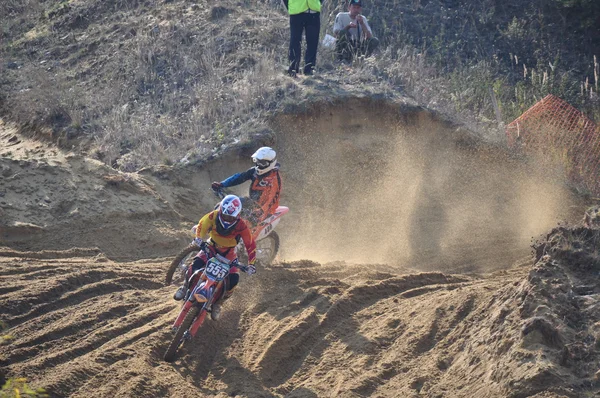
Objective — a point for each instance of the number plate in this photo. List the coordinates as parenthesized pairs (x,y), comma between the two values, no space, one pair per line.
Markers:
(216,270)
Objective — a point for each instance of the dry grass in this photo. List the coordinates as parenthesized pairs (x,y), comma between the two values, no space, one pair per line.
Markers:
(190,118)
(174,81)
(168,91)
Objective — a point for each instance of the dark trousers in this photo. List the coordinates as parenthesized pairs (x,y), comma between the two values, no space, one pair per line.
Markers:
(311,25)
(347,48)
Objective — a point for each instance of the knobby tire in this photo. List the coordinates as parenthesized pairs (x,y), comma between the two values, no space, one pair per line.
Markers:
(175,263)
(185,325)
(275,238)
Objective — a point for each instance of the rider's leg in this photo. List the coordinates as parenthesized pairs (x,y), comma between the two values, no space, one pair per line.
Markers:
(252,213)
(198,263)
(232,281)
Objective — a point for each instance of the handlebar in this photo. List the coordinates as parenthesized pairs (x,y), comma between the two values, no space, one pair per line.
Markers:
(199,242)
(203,246)
(220,193)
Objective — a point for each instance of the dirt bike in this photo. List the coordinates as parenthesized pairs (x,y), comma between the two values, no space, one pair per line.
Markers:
(267,244)
(202,288)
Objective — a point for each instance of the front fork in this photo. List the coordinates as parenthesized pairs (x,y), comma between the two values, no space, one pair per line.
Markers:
(186,308)
(188,305)
(197,322)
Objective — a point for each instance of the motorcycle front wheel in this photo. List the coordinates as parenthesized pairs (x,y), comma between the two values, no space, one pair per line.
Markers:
(178,339)
(185,257)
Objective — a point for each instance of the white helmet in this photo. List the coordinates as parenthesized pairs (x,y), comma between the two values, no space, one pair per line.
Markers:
(265,159)
(229,214)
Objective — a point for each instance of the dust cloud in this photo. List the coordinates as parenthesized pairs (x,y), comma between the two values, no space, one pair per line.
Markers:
(371,183)
(365,183)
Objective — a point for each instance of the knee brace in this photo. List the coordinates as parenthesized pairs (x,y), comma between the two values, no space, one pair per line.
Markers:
(233,281)
(197,264)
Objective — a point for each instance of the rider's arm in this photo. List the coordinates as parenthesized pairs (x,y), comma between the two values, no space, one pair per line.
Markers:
(250,246)
(238,178)
(338,25)
(366,31)
(205,224)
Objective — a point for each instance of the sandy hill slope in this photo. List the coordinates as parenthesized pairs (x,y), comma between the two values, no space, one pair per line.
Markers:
(443,299)
(406,267)
(84,325)
(145,82)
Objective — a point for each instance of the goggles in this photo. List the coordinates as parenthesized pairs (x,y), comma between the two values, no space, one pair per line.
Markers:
(228,219)
(262,163)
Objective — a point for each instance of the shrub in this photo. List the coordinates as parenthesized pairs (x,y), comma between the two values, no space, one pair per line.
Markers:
(17,388)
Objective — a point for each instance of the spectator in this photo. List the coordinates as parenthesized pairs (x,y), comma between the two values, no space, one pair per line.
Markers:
(353,33)
(305,16)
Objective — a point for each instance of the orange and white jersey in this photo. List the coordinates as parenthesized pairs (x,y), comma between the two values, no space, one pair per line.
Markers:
(265,189)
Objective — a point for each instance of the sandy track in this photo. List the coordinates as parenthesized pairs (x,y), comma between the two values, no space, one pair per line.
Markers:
(86,248)
(84,325)
(75,310)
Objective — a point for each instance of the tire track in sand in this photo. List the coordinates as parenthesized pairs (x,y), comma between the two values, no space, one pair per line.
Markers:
(73,319)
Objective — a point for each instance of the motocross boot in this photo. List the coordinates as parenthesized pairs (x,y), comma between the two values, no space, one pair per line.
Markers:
(180,293)
(215,312)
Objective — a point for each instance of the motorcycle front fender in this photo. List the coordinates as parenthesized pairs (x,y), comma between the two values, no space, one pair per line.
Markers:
(203,293)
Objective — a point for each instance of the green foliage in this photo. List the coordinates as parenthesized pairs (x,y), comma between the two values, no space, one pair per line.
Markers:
(5,338)
(516,30)
(219,132)
(17,388)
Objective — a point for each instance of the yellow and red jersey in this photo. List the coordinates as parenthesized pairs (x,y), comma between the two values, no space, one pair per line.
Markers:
(225,244)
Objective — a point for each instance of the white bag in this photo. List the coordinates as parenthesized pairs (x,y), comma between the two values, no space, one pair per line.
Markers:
(328,41)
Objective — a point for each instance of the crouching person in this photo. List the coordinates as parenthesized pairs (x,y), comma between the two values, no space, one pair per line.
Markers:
(353,33)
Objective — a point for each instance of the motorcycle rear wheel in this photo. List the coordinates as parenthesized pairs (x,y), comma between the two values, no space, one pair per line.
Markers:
(185,256)
(267,248)
(185,325)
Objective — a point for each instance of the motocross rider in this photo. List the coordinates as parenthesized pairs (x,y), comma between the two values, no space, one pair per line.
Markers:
(222,229)
(265,188)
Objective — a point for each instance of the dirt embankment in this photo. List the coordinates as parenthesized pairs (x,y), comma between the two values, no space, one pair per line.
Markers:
(355,173)
(88,326)
(378,195)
